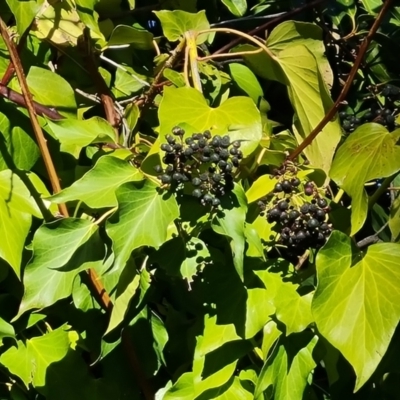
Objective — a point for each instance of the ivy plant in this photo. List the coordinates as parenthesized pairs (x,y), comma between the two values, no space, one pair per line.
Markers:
(199,200)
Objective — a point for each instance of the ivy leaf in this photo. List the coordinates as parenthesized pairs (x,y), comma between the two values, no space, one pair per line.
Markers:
(256,316)
(139,38)
(16,141)
(291,33)
(287,369)
(175,23)
(290,308)
(144,214)
(16,210)
(260,188)
(236,7)
(44,282)
(310,100)
(247,81)
(231,222)
(30,360)
(355,305)
(59,23)
(24,12)
(368,153)
(74,134)
(6,330)
(237,115)
(51,90)
(122,301)
(97,187)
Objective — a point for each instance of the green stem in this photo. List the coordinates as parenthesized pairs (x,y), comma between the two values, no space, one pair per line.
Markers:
(338,197)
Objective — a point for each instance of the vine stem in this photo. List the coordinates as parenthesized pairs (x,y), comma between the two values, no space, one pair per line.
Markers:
(55,183)
(226,55)
(331,113)
(151,93)
(241,34)
(191,46)
(270,23)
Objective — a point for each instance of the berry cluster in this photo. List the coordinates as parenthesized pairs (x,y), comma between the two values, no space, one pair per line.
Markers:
(202,161)
(384,114)
(302,227)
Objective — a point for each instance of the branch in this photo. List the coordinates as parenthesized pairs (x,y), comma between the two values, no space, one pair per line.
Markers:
(331,113)
(55,183)
(268,24)
(17,98)
(154,88)
(105,94)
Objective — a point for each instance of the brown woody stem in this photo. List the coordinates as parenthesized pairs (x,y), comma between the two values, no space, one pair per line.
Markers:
(331,113)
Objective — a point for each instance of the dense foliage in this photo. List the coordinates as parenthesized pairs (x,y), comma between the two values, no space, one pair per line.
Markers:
(163,235)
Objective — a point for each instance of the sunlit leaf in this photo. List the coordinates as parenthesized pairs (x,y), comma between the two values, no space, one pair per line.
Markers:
(355,305)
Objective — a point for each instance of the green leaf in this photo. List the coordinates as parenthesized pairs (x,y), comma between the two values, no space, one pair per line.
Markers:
(260,188)
(123,298)
(291,33)
(16,210)
(259,309)
(97,187)
(128,82)
(231,222)
(237,115)
(52,90)
(139,38)
(30,360)
(356,305)
(6,330)
(143,217)
(291,308)
(74,134)
(59,23)
(24,12)
(16,141)
(236,7)
(175,23)
(368,153)
(287,369)
(44,281)
(270,334)
(247,81)
(310,99)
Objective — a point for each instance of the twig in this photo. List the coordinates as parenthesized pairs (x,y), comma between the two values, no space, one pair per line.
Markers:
(224,55)
(331,113)
(381,190)
(18,99)
(10,68)
(106,96)
(243,35)
(268,24)
(151,93)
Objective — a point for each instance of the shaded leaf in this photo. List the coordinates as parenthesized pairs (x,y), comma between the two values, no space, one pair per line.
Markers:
(44,281)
